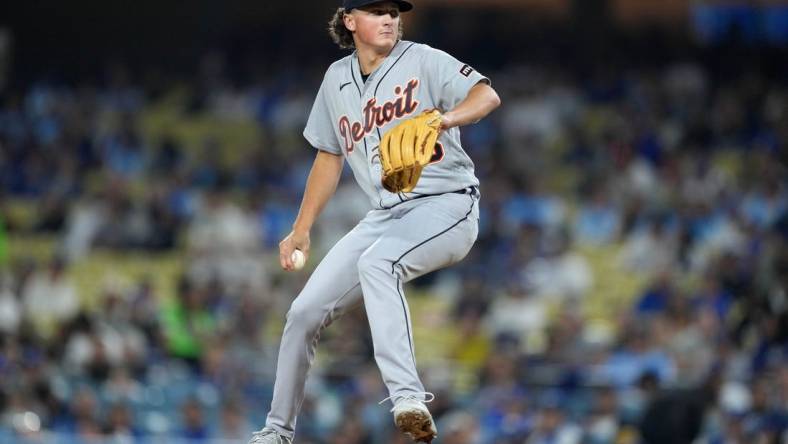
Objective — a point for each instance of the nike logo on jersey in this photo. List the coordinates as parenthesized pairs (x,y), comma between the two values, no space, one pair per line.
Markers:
(344,85)
(402,105)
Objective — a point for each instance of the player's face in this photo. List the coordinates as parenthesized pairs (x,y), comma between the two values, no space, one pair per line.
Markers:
(376,25)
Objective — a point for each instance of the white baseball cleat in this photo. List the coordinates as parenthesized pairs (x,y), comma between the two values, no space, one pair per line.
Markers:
(414,419)
(269,436)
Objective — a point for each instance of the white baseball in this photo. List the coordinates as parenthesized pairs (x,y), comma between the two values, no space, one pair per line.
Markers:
(298,259)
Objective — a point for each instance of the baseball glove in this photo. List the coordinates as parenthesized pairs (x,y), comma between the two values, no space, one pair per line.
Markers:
(406,149)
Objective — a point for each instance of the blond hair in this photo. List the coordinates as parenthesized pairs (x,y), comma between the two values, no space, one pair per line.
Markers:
(342,36)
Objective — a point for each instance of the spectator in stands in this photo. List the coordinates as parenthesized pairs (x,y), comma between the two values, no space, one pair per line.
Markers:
(224,242)
(558,272)
(50,298)
(194,427)
(459,427)
(552,425)
(187,323)
(10,308)
(120,425)
(234,424)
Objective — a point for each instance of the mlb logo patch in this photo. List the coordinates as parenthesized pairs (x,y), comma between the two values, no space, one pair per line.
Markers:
(466,70)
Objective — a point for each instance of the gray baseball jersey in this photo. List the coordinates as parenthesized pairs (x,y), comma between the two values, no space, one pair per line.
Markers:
(351,116)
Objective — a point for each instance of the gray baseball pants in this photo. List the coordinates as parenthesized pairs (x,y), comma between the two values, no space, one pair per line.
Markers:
(370,264)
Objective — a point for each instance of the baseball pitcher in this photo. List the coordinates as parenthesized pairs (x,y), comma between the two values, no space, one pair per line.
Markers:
(392,109)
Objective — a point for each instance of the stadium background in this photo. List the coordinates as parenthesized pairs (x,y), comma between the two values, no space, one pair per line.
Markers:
(628,285)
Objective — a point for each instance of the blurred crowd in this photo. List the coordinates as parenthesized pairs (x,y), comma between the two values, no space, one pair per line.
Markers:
(677,176)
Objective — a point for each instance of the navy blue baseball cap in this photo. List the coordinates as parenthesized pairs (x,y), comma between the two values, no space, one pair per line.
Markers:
(350,4)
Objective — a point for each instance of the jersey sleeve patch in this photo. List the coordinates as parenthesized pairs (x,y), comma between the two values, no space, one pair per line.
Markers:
(466,70)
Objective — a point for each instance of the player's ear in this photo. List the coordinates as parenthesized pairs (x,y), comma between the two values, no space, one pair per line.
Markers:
(350,22)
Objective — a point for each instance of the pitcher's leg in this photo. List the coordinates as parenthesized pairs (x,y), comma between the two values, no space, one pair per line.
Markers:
(297,351)
(331,290)
(430,236)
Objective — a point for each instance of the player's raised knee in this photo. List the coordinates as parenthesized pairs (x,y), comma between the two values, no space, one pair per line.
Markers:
(370,263)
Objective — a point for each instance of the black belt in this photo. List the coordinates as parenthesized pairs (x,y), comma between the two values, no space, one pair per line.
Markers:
(472,190)
(467,190)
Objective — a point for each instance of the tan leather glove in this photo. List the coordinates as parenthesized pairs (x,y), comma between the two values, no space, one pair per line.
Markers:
(406,149)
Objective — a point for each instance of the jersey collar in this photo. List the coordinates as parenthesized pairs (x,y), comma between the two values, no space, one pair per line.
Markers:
(396,51)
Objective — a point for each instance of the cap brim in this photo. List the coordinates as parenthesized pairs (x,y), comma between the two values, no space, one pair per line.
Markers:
(403,5)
